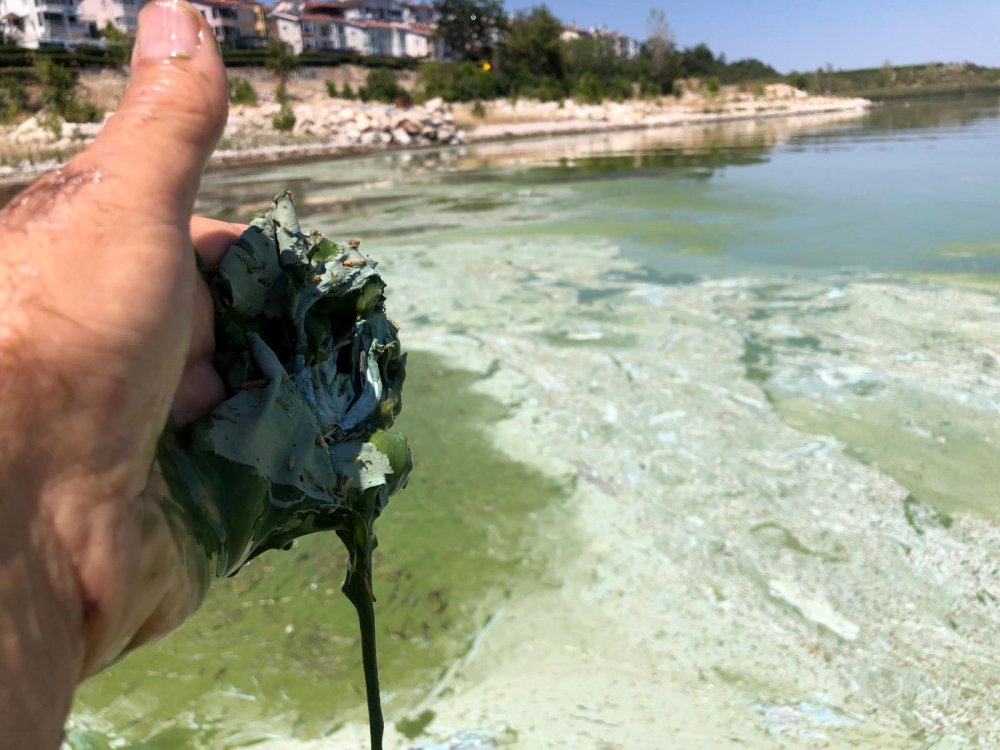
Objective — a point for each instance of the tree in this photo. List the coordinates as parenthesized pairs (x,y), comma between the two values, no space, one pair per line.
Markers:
(281,61)
(659,55)
(660,40)
(471,29)
(699,62)
(118,44)
(531,56)
(888,73)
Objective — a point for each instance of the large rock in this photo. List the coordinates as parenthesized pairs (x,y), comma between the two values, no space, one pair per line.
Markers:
(411,127)
(400,136)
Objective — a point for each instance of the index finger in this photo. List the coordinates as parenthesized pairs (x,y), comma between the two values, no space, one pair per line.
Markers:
(212,238)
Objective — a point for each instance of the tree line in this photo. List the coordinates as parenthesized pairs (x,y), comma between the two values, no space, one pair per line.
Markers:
(496,55)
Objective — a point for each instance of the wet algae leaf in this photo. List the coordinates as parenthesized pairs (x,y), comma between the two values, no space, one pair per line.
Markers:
(313,373)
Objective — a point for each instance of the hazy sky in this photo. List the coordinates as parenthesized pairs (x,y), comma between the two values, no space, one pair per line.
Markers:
(806,34)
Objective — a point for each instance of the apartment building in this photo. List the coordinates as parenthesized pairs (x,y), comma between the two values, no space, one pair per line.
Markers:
(288,28)
(620,44)
(122,14)
(251,18)
(223,18)
(366,27)
(44,23)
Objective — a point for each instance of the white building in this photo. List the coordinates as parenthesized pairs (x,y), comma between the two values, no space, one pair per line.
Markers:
(366,27)
(223,18)
(572,32)
(418,41)
(122,14)
(44,23)
(288,28)
(621,45)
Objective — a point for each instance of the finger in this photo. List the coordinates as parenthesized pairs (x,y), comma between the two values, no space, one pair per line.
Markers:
(202,324)
(172,114)
(200,390)
(213,238)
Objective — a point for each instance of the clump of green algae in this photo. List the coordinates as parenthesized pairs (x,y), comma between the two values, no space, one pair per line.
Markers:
(313,373)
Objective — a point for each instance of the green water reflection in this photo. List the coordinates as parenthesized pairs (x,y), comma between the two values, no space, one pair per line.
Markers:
(891,191)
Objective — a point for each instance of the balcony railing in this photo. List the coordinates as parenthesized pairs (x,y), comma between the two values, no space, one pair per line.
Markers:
(64,31)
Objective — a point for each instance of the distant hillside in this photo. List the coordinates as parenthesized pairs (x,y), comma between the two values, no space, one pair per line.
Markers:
(893,81)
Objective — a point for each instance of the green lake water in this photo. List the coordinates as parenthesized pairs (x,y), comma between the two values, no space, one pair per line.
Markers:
(907,190)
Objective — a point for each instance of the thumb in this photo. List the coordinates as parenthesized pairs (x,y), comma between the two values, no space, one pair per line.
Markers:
(173,112)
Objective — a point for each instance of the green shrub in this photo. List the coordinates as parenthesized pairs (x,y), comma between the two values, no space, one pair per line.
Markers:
(117,45)
(57,82)
(241,92)
(478,110)
(50,121)
(548,90)
(591,88)
(77,111)
(347,92)
(713,84)
(285,119)
(13,99)
(458,82)
(381,86)
(281,94)
(331,89)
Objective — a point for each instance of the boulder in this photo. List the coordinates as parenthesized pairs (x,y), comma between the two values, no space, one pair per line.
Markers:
(400,136)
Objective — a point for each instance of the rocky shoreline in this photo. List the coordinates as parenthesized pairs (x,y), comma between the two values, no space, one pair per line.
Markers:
(329,127)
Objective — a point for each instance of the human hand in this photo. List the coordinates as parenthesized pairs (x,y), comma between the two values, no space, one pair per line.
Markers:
(105,334)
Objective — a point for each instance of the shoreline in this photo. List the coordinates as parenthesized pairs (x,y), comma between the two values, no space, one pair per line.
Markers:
(487,132)
(237,158)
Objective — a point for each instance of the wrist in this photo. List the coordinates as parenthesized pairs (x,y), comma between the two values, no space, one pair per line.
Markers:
(41,636)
